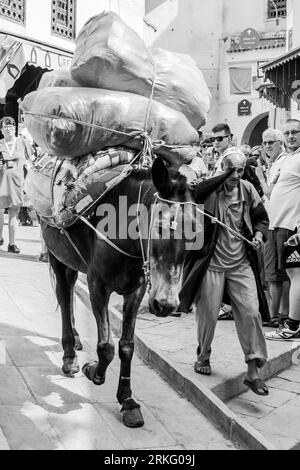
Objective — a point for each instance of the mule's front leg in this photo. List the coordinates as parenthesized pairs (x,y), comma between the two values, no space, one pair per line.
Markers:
(65,280)
(95,371)
(132,415)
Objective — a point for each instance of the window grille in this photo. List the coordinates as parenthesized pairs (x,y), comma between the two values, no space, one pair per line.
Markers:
(281,8)
(63,18)
(13,10)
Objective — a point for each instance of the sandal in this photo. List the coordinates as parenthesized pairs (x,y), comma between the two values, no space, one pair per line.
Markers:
(202,367)
(257,386)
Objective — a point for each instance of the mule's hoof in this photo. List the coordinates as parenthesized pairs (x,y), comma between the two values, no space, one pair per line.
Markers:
(90,371)
(132,415)
(70,366)
(78,344)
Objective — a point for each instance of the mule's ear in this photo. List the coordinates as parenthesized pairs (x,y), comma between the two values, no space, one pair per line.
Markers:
(161,177)
(203,190)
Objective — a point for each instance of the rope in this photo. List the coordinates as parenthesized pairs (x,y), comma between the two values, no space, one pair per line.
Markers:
(64,232)
(214,220)
(103,237)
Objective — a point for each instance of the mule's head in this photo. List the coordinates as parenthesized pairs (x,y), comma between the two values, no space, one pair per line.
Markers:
(176,227)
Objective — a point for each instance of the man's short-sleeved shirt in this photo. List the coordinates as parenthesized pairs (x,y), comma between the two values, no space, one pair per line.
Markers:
(284,208)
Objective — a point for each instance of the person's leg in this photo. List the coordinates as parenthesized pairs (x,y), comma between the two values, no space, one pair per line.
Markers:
(1,225)
(207,310)
(284,301)
(242,290)
(294,297)
(12,224)
(290,331)
(275,291)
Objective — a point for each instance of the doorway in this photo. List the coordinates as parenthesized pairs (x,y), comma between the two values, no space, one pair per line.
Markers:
(253,132)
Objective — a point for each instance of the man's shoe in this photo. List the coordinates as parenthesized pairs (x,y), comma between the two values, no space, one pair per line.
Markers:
(13,249)
(284,334)
(1,241)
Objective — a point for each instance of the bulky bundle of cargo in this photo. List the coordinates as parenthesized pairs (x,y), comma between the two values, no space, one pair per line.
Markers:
(60,190)
(111,55)
(70,122)
(117,90)
(118,93)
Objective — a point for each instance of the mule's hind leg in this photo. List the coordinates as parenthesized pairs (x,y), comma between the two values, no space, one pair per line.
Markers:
(65,280)
(132,415)
(95,371)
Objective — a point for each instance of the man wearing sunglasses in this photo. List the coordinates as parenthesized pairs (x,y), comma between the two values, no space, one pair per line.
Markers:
(221,139)
(284,215)
(277,279)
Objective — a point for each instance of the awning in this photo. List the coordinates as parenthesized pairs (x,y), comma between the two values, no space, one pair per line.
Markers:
(284,74)
(16,52)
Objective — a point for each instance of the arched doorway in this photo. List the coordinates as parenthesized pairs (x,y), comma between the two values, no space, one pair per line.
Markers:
(253,132)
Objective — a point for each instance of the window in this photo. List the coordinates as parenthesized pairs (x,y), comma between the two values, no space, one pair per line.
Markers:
(63,18)
(277,8)
(13,10)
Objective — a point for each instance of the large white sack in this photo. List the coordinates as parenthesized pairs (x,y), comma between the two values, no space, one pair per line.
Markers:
(99,119)
(109,54)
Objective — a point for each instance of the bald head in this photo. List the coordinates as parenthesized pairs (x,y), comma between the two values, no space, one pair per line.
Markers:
(235,160)
(233,157)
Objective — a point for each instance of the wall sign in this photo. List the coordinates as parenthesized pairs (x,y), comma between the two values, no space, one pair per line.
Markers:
(244,108)
(249,39)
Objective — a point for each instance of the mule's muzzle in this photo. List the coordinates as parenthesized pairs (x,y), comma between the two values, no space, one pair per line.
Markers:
(162,308)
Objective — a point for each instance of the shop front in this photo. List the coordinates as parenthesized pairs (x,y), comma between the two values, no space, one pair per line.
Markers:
(22,63)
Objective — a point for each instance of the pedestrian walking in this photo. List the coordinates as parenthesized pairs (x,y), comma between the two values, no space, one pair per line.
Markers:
(14,153)
(228,263)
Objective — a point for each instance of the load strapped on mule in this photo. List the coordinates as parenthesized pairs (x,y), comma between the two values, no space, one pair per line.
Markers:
(120,103)
(120,108)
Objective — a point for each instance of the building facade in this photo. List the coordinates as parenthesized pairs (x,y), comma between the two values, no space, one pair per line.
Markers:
(230,40)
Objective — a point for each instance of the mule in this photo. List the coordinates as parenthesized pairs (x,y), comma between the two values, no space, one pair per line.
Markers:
(126,266)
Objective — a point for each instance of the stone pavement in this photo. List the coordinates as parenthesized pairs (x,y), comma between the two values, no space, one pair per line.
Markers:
(40,408)
(277,418)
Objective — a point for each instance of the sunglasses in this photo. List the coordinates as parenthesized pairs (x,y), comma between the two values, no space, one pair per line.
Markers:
(219,138)
(270,142)
(10,126)
(293,133)
(254,155)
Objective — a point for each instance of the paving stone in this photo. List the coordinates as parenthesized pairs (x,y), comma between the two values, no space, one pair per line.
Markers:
(282,422)
(159,388)
(50,386)
(192,423)
(276,397)
(244,407)
(13,390)
(292,374)
(81,427)
(151,435)
(26,427)
(28,351)
(287,385)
